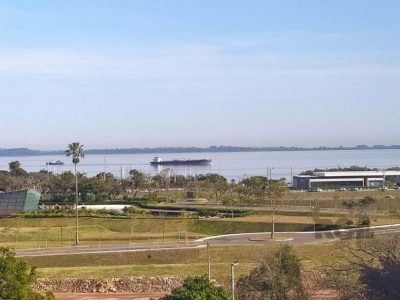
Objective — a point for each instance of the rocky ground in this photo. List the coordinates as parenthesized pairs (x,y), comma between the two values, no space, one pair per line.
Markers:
(112,285)
(315,283)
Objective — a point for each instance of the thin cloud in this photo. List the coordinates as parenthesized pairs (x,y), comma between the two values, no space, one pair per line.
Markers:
(180,61)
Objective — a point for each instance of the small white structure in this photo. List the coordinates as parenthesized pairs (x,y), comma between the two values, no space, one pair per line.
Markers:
(157,159)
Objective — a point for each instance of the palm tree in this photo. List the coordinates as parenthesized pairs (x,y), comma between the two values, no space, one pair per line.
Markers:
(75,150)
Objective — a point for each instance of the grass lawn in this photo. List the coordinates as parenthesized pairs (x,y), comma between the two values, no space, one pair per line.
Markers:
(309,219)
(18,233)
(220,271)
(179,263)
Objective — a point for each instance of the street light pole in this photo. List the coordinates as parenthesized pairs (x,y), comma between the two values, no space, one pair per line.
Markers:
(209,261)
(233,279)
(76,209)
(384,179)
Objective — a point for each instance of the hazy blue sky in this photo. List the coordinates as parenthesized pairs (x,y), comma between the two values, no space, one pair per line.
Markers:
(196,73)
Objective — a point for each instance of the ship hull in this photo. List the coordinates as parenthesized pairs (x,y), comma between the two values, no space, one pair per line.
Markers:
(191,162)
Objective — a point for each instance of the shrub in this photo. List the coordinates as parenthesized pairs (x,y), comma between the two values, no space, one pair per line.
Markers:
(197,288)
(15,279)
(278,276)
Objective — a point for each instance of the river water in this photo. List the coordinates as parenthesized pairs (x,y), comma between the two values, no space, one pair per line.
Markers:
(233,165)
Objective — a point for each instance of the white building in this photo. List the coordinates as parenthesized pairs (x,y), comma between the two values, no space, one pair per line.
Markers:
(346,179)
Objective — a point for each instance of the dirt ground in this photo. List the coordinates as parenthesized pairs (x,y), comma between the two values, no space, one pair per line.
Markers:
(114,296)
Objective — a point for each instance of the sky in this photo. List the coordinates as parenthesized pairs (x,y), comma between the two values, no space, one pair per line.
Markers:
(127,73)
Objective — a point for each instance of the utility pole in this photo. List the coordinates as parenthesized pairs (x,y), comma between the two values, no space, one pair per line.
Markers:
(163,228)
(104,169)
(186,233)
(384,179)
(291,174)
(233,279)
(209,261)
(130,231)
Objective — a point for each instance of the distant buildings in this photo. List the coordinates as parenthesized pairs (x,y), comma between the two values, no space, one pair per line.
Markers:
(15,202)
(345,179)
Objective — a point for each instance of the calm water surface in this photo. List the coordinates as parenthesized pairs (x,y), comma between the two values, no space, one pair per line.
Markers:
(231,165)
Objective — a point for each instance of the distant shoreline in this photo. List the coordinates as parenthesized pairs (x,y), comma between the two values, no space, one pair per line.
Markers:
(212,149)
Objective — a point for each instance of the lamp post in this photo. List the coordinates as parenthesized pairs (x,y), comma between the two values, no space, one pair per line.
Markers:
(384,179)
(269,173)
(233,279)
(209,261)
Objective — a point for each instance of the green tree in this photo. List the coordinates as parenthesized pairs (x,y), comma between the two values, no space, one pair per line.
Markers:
(275,193)
(256,182)
(61,188)
(254,188)
(215,183)
(15,279)
(278,276)
(197,288)
(75,150)
(15,169)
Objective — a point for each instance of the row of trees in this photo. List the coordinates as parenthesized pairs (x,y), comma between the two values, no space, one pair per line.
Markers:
(107,187)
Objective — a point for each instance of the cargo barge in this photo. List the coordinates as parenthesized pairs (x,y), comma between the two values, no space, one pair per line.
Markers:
(157,161)
(57,163)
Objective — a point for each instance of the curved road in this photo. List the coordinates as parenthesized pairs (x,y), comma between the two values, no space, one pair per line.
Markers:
(261,238)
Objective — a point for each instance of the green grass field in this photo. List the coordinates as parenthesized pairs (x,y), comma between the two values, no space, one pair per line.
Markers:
(19,233)
(178,263)
(387,200)
(55,232)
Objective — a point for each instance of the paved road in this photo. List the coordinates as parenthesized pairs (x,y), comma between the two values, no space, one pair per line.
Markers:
(107,248)
(299,238)
(281,208)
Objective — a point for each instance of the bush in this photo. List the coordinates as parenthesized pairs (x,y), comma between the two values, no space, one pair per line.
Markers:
(132,210)
(197,288)
(364,221)
(278,276)
(90,197)
(207,212)
(370,269)
(15,279)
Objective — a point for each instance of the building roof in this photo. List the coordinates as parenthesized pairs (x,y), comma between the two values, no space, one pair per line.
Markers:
(337,179)
(357,173)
